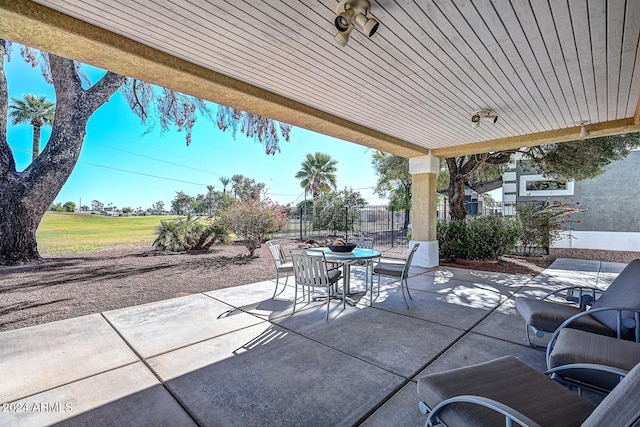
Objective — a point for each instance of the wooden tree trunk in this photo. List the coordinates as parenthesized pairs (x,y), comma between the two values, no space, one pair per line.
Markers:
(456,197)
(407,212)
(460,168)
(35,149)
(18,223)
(25,196)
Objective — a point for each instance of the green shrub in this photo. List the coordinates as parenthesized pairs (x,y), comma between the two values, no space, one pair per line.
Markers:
(452,238)
(481,238)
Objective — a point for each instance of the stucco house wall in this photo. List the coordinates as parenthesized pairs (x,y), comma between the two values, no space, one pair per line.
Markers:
(612,202)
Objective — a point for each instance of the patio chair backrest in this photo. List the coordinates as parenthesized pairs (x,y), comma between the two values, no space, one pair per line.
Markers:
(622,406)
(310,268)
(365,243)
(277,253)
(623,292)
(407,264)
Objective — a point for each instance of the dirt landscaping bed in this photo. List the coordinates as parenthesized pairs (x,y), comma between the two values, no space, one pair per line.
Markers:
(530,266)
(71,286)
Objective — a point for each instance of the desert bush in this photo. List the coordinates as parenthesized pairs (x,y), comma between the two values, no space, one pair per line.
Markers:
(481,238)
(253,220)
(543,223)
(187,234)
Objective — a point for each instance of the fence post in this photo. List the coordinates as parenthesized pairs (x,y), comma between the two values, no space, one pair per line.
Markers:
(393,231)
(346,223)
(300,223)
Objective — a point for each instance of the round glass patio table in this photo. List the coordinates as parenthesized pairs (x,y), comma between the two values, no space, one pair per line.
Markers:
(348,258)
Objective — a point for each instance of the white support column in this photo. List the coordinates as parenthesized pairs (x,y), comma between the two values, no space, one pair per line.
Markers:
(424,171)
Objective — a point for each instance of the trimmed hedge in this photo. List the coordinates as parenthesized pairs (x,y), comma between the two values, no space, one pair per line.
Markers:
(479,238)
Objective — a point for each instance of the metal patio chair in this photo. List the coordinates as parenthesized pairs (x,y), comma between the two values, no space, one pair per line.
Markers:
(543,317)
(310,270)
(507,391)
(399,271)
(365,243)
(283,265)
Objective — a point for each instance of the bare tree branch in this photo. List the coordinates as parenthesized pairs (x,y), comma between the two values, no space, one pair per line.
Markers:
(136,101)
(500,157)
(99,93)
(471,164)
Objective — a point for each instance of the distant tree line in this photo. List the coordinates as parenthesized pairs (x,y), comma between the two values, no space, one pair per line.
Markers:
(66,207)
(241,188)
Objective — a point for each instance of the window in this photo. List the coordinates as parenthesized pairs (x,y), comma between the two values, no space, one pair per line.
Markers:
(538,185)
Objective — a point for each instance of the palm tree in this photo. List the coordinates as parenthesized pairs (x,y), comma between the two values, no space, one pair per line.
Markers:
(225,181)
(35,110)
(317,174)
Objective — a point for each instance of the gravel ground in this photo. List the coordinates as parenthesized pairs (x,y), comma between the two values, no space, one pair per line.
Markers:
(70,286)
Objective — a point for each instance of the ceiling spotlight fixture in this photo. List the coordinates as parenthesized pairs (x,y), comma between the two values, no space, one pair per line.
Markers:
(484,114)
(346,12)
(583,130)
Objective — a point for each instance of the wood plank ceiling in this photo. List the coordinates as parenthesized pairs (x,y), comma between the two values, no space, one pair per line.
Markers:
(539,65)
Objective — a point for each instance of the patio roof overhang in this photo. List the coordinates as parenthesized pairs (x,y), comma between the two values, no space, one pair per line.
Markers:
(542,68)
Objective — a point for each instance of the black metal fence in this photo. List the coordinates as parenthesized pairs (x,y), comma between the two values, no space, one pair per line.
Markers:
(388,226)
(478,208)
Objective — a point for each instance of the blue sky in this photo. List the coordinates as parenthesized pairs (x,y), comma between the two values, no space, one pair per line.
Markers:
(116,159)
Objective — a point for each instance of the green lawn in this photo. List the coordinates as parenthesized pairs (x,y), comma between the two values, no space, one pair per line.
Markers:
(70,233)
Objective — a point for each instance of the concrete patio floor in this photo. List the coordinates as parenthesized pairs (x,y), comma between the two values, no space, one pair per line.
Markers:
(236,356)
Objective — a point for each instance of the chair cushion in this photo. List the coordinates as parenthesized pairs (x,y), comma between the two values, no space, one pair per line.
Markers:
(623,292)
(334,275)
(285,267)
(547,316)
(622,406)
(510,382)
(574,346)
(388,269)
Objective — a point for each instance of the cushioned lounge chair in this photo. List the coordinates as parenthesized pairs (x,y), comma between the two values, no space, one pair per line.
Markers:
(506,391)
(568,346)
(543,317)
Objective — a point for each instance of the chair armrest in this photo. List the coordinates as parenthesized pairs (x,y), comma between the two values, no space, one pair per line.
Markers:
(510,414)
(620,323)
(591,366)
(583,299)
